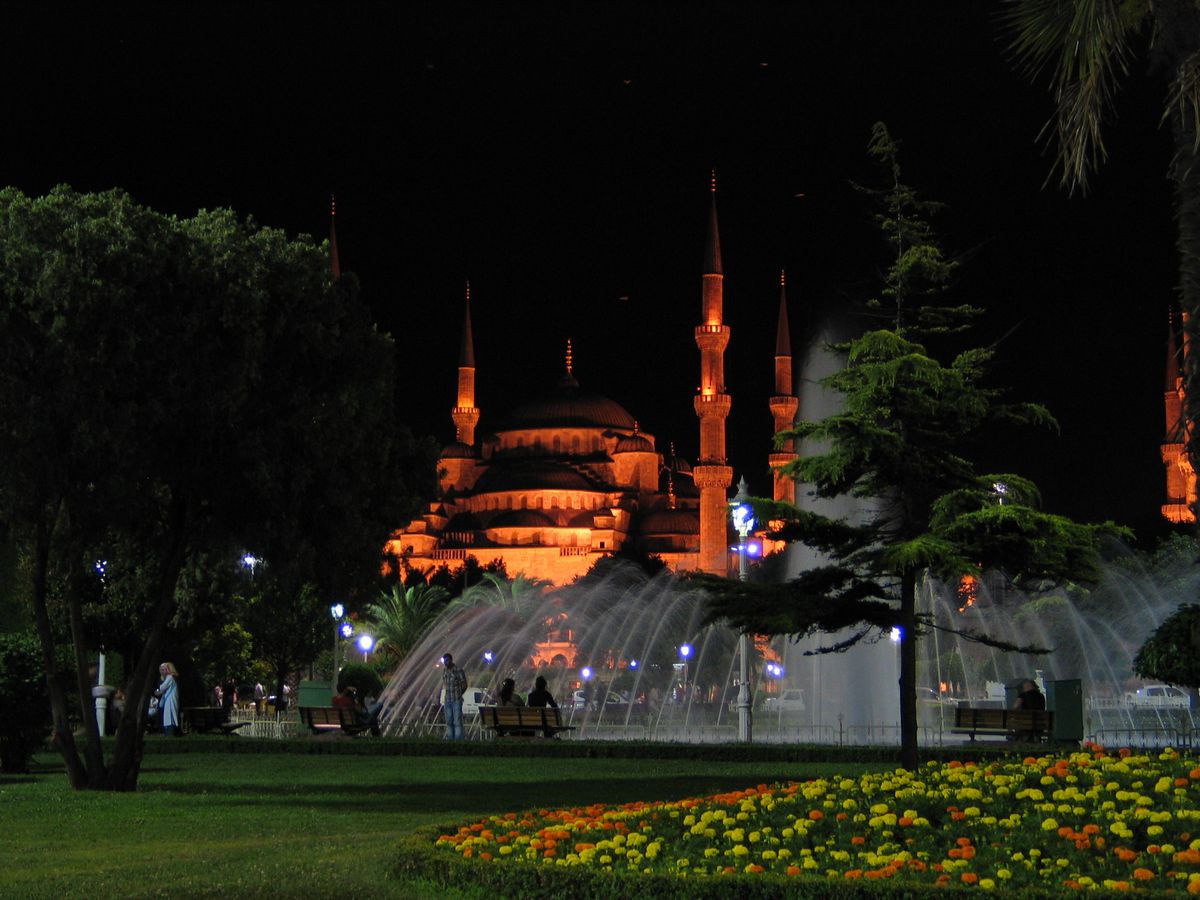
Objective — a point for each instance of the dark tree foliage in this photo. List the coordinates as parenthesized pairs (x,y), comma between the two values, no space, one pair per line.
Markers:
(1172,653)
(26,719)
(901,446)
(171,388)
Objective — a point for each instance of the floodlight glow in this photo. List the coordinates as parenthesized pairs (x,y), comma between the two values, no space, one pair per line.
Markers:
(488,656)
(633,664)
(685,650)
(897,633)
(775,670)
(337,610)
(365,643)
(743,519)
(753,549)
(250,561)
(585,673)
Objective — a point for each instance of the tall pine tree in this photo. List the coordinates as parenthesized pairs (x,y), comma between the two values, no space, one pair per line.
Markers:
(901,445)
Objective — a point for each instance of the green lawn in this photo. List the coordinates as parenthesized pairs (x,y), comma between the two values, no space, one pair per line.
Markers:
(291,825)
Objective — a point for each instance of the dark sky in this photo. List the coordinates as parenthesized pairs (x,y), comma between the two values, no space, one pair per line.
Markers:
(558,156)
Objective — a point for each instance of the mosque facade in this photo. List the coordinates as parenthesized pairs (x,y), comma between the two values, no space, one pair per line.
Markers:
(563,479)
(1180,476)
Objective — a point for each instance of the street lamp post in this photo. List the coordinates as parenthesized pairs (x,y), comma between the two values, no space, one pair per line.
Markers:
(743,524)
(337,611)
(366,643)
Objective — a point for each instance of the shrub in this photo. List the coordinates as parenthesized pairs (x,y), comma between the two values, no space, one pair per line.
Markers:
(364,679)
(24,699)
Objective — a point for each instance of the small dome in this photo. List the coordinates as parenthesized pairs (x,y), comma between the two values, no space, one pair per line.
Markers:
(671,521)
(463,521)
(458,450)
(522,518)
(634,443)
(584,520)
(678,464)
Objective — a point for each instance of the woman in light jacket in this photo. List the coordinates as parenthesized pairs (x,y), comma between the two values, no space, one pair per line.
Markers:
(168,699)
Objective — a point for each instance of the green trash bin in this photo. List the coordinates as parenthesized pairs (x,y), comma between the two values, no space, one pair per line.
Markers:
(314,693)
(1065,698)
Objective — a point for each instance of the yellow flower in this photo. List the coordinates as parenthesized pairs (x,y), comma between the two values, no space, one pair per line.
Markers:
(1049,825)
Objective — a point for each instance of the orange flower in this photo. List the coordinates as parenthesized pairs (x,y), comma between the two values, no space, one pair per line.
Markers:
(957,817)
(954,764)
(1124,752)
(755,868)
(943,879)
(1091,828)
(1191,857)
(1154,848)
(793,870)
(963,841)
(1194,774)
(485,855)
(858,840)
(852,873)
(1194,887)
(842,817)
(904,821)
(1030,761)
(969,877)
(583,845)
(816,815)
(1142,874)
(1124,854)
(1181,782)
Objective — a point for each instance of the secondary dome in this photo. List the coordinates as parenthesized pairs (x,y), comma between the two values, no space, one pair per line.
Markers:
(521,475)
(568,405)
(522,518)
(671,521)
(634,443)
(458,450)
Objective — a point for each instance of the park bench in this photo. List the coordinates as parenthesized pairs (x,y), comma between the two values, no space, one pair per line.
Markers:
(325,719)
(1014,724)
(205,719)
(522,721)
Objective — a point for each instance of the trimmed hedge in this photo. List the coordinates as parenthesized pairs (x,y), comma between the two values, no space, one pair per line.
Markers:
(749,753)
(417,857)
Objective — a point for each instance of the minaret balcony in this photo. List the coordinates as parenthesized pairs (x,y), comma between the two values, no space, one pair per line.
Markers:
(712,405)
(712,476)
(784,407)
(712,337)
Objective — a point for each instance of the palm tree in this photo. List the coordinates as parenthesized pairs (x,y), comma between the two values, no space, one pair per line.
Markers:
(1089,44)
(401,617)
(520,596)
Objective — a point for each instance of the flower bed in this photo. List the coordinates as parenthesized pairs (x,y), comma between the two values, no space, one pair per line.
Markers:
(1083,821)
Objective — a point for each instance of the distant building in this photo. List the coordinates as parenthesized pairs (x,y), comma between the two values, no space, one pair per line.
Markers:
(570,476)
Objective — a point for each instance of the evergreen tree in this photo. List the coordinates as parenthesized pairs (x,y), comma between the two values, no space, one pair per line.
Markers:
(901,445)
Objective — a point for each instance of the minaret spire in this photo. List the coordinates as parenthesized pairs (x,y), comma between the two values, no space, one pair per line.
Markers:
(465,414)
(712,475)
(1181,477)
(335,265)
(784,404)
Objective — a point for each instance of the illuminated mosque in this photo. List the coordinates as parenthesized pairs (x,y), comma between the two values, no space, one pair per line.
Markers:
(562,480)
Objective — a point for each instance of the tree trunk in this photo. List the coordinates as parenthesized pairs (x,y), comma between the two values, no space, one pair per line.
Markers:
(64,739)
(908,671)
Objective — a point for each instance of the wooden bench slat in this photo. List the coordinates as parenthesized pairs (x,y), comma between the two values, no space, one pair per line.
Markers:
(331,718)
(523,719)
(978,720)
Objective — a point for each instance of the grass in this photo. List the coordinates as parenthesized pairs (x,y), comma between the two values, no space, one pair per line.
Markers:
(289,825)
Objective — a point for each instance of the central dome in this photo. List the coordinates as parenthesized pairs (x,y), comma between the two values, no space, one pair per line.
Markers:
(570,406)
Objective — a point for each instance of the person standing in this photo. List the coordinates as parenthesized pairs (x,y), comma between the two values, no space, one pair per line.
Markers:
(454,685)
(168,699)
(259,696)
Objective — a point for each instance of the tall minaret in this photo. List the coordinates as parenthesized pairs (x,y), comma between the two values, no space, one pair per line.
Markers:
(712,475)
(1181,478)
(785,403)
(334,264)
(464,414)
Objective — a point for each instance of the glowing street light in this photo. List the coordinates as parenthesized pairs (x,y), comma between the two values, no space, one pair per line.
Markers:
(685,653)
(366,644)
(743,523)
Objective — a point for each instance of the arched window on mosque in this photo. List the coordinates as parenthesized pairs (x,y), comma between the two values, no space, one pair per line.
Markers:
(524,502)
(538,503)
(537,538)
(575,444)
(554,503)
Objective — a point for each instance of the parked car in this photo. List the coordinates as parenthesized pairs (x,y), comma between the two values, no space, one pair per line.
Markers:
(474,698)
(1158,695)
(579,700)
(787,700)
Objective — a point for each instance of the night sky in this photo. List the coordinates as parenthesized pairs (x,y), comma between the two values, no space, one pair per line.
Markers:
(558,156)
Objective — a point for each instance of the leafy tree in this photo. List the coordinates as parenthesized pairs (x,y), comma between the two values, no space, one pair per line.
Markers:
(363,678)
(1172,653)
(168,388)
(901,442)
(1087,45)
(399,618)
(26,719)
